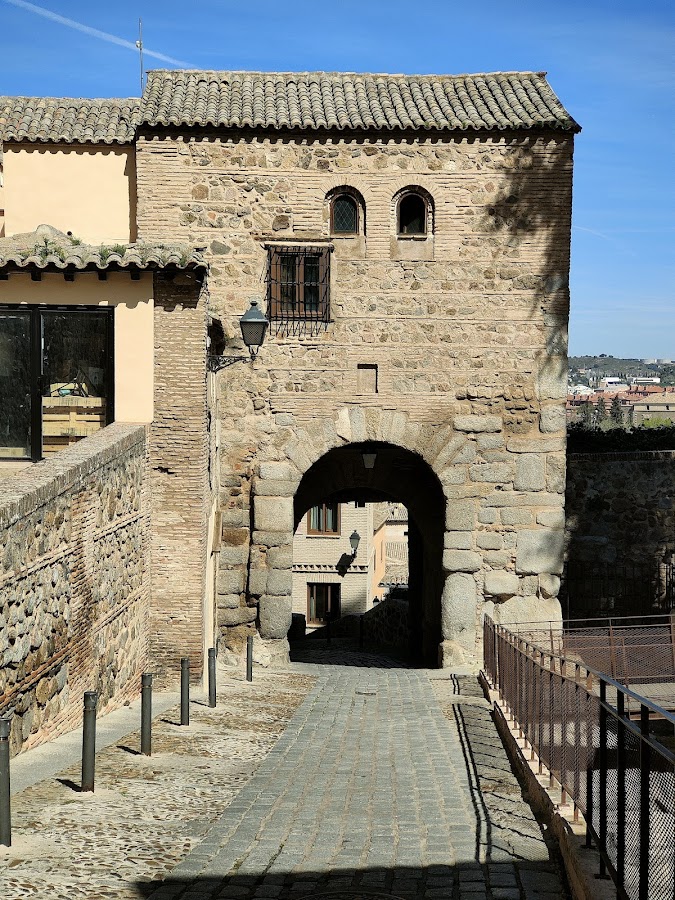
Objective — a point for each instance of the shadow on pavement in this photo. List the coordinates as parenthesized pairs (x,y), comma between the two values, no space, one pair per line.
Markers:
(345,652)
(463,881)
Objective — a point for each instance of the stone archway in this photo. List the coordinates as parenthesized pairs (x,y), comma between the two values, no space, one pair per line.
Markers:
(403,476)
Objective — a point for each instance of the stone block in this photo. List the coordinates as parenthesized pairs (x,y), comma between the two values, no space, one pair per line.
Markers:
(552,418)
(280,582)
(272,538)
(494,473)
(273,514)
(275,617)
(257,581)
(277,471)
(536,445)
(540,551)
(460,515)
(228,601)
(458,609)
(239,616)
(552,379)
(458,540)
(487,515)
(477,424)
(233,556)
(527,609)
(549,586)
(273,488)
(490,441)
(498,559)
(461,561)
(280,557)
(530,472)
(516,516)
(489,540)
(551,518)
(234,537)
(501,584)
(555,473)
(230,581)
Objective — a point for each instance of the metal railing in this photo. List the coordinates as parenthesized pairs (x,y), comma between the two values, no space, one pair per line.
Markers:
(619,771)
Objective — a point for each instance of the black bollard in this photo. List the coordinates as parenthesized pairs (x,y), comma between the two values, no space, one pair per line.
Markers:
(5,809)
(328,632)
(185,690)
(249,658)
(212,676)
(361,632)
(89,740)
(146,714)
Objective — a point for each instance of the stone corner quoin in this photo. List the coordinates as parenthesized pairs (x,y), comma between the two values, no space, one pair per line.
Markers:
(465,329)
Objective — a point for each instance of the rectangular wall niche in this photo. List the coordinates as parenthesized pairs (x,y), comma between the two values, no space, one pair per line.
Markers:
(366,378)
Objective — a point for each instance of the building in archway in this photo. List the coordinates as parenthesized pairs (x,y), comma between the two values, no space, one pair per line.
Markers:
(408,237)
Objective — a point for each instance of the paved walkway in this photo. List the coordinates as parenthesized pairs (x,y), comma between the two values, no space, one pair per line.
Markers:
(385,782)
(388,782)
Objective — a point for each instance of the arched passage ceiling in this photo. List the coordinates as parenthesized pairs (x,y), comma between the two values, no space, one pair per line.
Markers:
(398,475)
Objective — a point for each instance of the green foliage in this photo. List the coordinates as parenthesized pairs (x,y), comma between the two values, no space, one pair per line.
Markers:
(120,249)
(587,414)
(657,422)
(46,248)
(616,412)
(600,411)
(581,439)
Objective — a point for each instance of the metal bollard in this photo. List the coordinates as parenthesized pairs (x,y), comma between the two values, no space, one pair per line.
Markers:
(185,690)
(89,740)
(360,632)
(146,714)
(328,633)
(212,676)
(5,809)
(249,658)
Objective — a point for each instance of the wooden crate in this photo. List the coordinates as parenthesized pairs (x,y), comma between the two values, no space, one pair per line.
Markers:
(66,420)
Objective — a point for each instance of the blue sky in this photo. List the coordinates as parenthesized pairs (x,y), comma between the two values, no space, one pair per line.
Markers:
(610,61)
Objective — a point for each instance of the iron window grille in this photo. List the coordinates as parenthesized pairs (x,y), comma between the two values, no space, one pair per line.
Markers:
(298,289)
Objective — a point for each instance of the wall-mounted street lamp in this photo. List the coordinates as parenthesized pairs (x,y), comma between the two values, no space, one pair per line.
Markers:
(254,326)
(369,456)
(354,541)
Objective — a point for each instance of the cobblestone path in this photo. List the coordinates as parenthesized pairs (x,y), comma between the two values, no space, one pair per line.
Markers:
(388,782)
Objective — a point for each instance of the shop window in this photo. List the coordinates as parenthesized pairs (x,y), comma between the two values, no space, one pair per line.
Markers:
(324,519)
(323,603)
(56,378)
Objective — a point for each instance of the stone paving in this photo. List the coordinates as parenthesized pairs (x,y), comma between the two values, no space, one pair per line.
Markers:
(387,782)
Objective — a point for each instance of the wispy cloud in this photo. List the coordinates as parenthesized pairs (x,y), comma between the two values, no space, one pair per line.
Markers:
(95,32)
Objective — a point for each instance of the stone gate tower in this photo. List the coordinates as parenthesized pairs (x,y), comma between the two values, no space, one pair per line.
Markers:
(408,238)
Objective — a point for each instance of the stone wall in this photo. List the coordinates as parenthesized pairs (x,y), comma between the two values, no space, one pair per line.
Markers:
(467,328)
(74,583)
(620,506)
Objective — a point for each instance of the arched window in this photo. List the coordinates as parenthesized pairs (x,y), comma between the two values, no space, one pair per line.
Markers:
(412,215)
(344,215)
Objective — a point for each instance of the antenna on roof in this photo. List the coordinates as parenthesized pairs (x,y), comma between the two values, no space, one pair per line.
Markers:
(139,44)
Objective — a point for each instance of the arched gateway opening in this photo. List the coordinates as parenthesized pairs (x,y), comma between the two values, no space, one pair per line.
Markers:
(374,472)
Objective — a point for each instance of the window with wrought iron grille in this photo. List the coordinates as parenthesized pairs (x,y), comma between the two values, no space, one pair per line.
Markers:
(298,280)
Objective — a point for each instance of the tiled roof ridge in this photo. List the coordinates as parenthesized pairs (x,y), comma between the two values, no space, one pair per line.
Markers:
(541,74)
(344,101)
(47,247)
(76,120)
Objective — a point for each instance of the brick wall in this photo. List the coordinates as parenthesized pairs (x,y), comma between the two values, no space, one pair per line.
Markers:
(74,585)
(179,460)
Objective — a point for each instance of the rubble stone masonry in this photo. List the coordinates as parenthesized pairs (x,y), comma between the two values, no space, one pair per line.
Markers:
(467,328)
(74,583)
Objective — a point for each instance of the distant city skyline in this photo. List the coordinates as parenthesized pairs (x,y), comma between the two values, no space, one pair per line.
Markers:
(611,64)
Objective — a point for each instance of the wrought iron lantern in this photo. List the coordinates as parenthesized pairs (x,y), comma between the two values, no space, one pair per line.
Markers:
(369,455)
(354,541)
(254,325)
